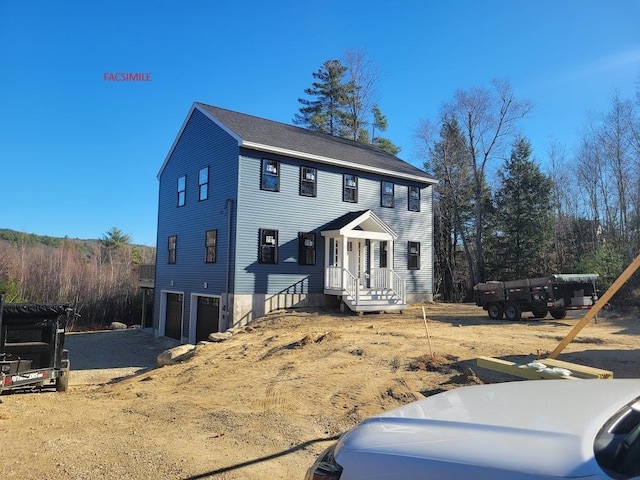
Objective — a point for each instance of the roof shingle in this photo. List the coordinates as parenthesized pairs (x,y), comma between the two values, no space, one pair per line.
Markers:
(283,136)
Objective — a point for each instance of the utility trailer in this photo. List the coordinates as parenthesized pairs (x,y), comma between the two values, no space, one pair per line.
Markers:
(32,353)
(555,294)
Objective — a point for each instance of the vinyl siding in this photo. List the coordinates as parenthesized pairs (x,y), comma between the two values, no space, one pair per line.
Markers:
(201,144)
(290,213)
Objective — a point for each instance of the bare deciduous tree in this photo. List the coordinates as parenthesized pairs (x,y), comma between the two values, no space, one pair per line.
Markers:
(489,118)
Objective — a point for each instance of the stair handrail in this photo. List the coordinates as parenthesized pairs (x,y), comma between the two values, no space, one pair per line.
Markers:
(350,283)
(398,285)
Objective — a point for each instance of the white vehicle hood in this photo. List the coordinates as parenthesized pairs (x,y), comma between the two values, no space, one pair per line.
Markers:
(542,427)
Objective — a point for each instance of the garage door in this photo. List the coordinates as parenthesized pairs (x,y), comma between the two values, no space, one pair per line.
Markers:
(173,325)
(208,317)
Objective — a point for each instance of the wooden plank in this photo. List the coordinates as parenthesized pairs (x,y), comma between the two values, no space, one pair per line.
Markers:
(580,371)
(521,371)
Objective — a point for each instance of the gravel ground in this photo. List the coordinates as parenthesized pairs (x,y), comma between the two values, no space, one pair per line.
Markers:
(103,356)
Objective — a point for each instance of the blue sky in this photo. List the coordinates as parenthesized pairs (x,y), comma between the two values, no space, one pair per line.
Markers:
(79,155)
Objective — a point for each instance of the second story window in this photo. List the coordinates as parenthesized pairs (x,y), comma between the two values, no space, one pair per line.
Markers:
(306,248)
(414,199)
(172,244)
(350,188)
(308,181)
(268,246)
(182,190)
(270,177)
(386,194)
(210,240)
(203,184)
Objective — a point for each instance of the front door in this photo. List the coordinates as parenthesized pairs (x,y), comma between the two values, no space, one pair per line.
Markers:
(354,251)
(208,316)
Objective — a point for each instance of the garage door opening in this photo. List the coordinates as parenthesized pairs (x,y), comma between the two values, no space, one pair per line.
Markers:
(208,317)
(173,325)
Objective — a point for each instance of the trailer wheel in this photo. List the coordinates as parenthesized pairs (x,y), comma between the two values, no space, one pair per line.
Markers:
(495,311)
(512,311)
(558,314)
(539,312)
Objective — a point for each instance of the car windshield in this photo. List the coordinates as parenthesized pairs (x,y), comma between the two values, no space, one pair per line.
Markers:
(617,445)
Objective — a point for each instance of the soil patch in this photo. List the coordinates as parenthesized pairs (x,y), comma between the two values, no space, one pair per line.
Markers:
(266,402)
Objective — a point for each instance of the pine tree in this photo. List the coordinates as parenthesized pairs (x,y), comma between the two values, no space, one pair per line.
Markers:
(453,209)
(380,123)
(341,102)
(522,224)
(326,111)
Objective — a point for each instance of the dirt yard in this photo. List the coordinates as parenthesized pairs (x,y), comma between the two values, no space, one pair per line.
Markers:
(264,403)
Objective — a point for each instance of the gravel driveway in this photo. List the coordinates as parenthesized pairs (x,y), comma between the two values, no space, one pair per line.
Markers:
(103,356)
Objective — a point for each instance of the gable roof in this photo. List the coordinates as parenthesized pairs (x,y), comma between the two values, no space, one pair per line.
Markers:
(360,220)
(274,137)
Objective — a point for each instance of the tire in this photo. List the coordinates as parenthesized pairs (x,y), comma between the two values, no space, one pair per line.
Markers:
(539,312)
(512,311)
(495,311)
(558,314)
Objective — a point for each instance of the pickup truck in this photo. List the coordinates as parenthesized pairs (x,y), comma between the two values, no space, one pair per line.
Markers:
(32,353)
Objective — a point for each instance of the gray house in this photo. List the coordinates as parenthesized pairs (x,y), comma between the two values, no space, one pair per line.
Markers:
(256,215)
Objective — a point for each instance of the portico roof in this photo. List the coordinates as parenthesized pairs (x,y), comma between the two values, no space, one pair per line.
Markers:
(360,224)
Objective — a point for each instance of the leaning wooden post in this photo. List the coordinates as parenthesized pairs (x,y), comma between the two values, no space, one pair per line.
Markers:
(424,317)
(602,301)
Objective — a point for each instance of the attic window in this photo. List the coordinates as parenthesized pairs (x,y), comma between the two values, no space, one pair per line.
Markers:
(414,199)
(203,183)
(386,194)
(268,246)
(270,178)
(308,181)
(182,190)
(350,188)
(306,248)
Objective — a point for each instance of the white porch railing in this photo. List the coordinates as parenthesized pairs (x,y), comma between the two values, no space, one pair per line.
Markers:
(338,278)
(333,278)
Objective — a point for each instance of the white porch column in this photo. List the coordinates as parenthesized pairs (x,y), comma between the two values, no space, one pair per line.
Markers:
(390,263)
(343,259)
(327,261)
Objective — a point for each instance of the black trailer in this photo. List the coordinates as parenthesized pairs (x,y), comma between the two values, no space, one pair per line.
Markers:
(32,353)
(555,294)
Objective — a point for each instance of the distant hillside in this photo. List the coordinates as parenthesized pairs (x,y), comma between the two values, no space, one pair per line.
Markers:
(31,239)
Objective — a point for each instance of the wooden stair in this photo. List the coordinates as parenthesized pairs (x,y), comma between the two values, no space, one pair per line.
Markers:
(374,300)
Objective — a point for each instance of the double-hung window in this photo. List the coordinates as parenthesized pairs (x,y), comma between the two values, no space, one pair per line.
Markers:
(386,194)
(203,184)
(414,256)
(350,188)
(210,241)
(182,190)
(172,244)
(414,199)
(306,248)
(308,181)
(270,177)
(268,246)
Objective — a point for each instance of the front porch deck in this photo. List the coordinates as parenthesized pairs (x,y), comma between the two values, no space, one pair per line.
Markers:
(383,290)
